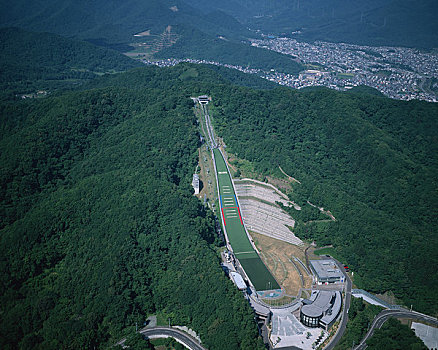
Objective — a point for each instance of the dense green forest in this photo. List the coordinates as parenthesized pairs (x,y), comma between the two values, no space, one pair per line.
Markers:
(114,21)
(371,161)
(112,24)
(370,22)
(236,77)
(360,317)
(99,226)
(395,336)
(43,61)
(195,44)
(365,22)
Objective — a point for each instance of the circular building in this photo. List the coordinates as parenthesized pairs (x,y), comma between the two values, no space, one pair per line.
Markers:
(321,310)
(310,316)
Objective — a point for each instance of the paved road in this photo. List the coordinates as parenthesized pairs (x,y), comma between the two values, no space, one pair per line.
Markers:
(382,317)
(347,301)
(165,332)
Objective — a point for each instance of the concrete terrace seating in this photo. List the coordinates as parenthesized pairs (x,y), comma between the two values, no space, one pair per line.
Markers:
(268,220)
(260,215)
(266,210)
(252,190)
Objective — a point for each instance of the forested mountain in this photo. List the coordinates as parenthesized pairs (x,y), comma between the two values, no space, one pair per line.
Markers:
(43,61)
(377,23)
(395,335)
(371,22)
(195,44)
(32,61)
(114,21)
(99,226)
(97,213)
(371,161)
(244,10)
(214,35)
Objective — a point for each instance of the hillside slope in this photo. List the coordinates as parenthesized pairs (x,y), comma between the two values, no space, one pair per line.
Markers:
(43,61)
(195,44)
(370,22)
(113,21)
(113,24)
(99,226)
(396,23)
(371,161)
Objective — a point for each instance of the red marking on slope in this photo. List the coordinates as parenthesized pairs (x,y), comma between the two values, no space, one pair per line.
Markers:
(223,215)
(240,216)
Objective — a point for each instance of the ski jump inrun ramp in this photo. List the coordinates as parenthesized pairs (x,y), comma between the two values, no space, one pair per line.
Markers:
(237,237)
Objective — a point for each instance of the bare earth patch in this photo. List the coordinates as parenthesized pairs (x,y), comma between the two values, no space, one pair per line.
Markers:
(279,257)
(288,176)
(206,175)
(281,184)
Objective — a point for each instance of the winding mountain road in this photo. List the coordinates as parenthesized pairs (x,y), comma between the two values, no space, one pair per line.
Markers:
(166,332)
(347,301)
(384,316)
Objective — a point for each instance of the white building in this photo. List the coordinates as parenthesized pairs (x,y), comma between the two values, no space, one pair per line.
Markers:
(195,183)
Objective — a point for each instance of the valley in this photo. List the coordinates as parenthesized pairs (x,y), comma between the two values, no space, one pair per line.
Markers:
(396,72)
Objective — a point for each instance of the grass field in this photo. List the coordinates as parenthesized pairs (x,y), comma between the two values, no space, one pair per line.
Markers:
(254,267)
(259,274)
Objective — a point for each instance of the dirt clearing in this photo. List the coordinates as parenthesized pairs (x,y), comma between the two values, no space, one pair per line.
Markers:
(280,259)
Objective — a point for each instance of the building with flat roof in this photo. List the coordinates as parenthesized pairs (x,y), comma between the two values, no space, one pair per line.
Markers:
(322,309)
(204,99)
(326,271)
(238,280)
(195,183)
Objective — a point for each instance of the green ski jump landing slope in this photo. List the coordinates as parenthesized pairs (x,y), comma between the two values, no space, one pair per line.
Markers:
(254,267)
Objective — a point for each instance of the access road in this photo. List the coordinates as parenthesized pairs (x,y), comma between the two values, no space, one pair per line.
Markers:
(166,332)
(347,300)
(384,316)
